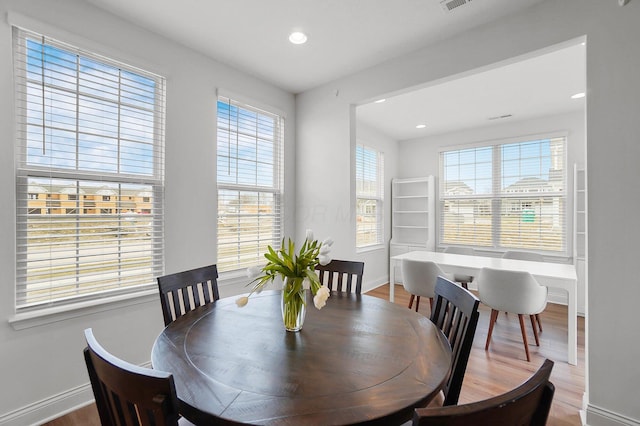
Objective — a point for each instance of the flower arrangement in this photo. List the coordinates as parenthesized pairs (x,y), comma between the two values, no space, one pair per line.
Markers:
(297,270)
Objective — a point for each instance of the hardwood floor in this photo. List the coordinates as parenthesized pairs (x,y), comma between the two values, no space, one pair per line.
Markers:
(86,416)
(491,372)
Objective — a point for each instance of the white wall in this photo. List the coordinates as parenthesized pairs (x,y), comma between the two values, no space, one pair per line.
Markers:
(325,177)
(613,150)
(42,368)
(376,271)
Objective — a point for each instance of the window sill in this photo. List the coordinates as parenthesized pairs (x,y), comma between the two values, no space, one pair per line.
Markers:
(367,249)
(36,318)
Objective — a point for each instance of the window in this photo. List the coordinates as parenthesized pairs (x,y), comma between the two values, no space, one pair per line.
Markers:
(250,184)
(88,129)
(369,196)
(505,196)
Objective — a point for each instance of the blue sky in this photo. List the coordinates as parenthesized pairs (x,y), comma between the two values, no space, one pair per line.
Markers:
(474,166)
(246,151)
(97,117)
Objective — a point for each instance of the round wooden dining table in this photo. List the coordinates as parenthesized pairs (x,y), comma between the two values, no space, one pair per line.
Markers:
(358,360)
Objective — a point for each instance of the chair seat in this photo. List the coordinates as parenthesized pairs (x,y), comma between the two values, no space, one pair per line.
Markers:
(462,278)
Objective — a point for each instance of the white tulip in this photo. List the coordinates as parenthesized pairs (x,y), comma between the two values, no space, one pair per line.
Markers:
(320,299)
(325,249)
(309,235)
(323,259)
(241,301)
(328,242)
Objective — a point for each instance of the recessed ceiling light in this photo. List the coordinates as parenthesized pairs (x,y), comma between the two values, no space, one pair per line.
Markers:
(379,101)
(421,126)
(297,37)
(578,95)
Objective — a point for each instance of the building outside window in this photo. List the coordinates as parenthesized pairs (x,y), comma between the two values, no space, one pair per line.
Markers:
(369,196)
(505,196)
(86,126)
(250,183)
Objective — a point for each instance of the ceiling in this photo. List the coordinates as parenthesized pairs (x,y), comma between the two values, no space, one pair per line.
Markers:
(523,90)
(347,36)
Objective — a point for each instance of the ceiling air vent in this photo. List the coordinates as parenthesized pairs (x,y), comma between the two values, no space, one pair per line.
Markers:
(500,117)
(449,5)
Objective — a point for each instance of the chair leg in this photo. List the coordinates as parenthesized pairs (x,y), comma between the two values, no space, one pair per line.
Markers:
(492,321)
(539,323)
(411,300)
(524,336)
(417,302)
(535,329)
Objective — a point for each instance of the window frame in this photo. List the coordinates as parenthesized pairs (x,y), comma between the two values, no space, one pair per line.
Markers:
(28,170)
(275,191)
(377,198)
(496,196)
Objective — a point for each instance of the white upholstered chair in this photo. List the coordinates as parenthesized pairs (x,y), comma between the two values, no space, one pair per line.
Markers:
(512,291)
(419,279)
(464,280)
(525,255)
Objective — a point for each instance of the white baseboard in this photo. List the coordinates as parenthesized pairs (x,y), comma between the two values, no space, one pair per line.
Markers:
(50,408)
(598,416)
(371,284)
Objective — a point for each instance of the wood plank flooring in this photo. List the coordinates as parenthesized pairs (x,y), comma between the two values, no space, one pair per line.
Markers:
(491,372)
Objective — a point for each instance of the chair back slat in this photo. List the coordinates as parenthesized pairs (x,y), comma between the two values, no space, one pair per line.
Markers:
(184,291)
(342,273)
(455,312)
(127,394)
(528,404)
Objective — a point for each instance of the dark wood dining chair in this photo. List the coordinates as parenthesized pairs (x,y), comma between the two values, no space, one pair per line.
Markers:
(455,312)
(528,404)
(127,394)
(184,291)
(345,275)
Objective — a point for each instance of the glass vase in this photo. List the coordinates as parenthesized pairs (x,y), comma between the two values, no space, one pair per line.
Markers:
(294,303)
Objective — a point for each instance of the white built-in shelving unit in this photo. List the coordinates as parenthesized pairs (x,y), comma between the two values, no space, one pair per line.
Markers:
(580,233)
(413,216)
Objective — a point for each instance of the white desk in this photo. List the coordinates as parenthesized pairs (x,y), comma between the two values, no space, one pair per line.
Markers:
(553,275)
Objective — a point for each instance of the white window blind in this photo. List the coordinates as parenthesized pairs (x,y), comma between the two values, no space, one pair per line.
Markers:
(505,196)
(369,196)
(89,174)
(250,183)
